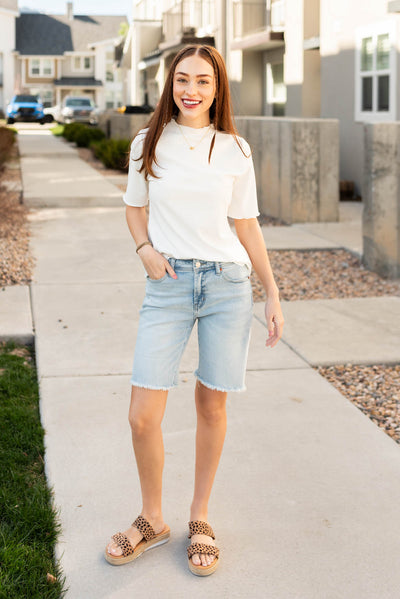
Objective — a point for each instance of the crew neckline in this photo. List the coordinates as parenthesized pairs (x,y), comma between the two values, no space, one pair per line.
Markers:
(193,129)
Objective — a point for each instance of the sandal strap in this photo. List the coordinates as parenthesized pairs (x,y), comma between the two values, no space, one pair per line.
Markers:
(198,527)
(202,548)
(123,542)
(145,528)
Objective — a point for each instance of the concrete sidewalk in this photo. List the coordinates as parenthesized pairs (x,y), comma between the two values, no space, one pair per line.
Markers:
(305,500)
(54,175)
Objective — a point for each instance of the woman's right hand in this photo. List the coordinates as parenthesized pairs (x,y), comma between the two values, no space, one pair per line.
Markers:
(155,263)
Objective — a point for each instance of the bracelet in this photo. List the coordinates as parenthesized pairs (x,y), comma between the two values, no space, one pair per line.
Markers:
(142,244)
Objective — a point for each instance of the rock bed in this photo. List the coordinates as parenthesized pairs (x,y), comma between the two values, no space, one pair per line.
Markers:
(322,274)
(16,264)
(375,390)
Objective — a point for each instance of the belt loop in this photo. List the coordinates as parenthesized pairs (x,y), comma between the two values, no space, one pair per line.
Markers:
(172,262)
(217,268)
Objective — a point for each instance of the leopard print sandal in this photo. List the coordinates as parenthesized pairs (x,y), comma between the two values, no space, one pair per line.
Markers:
(198,527)
(129,553)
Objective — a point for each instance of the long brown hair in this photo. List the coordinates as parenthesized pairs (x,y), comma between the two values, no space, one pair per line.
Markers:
(220,111)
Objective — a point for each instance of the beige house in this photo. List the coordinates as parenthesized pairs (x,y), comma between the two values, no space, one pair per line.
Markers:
(60,55)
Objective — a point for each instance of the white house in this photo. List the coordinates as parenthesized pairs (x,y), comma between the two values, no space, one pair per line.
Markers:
(8,14)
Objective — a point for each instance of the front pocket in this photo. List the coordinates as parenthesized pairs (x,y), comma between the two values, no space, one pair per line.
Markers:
(235,273)
(157,280)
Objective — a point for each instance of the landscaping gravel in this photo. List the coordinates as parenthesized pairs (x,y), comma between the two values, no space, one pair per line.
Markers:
(322,274)
(16,263)
(375,390)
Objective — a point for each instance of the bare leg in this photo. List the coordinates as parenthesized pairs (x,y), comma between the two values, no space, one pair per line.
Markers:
(145,416)
(210,436)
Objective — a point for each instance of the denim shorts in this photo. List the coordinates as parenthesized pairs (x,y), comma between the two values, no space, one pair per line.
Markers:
(218,296)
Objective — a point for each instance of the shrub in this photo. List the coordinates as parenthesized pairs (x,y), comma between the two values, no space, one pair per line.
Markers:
(71,130)
(7,138)
(84,137)
(112,152)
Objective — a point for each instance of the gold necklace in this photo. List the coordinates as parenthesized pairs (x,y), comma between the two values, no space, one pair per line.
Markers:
(192,147)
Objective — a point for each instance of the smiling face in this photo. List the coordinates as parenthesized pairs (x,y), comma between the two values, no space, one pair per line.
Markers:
(194,91)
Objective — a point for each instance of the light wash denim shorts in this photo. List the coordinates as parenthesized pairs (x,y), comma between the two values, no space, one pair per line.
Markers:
(216,294)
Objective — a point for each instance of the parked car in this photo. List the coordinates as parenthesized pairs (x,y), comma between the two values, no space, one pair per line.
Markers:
(78,110)
(24,107)
(51,113)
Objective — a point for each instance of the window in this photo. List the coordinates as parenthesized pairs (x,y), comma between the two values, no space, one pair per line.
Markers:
(47,97)
(110,66)
(375,87)
(82,63)
(41,67)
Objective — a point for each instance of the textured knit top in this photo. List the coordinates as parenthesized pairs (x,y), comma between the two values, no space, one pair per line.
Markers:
(191,199)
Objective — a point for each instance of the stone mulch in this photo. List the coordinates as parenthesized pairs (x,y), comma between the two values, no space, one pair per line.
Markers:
(375,390)
(16,263)
(322,274)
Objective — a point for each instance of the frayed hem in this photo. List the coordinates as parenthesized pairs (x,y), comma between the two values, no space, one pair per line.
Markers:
(152,387)
(215,388)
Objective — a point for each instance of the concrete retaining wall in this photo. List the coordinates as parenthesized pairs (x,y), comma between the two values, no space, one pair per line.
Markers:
(296,162)
(381,196)
(122,126)
(297,166)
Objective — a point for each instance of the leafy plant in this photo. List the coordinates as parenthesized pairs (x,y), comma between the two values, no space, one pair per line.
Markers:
(112,152)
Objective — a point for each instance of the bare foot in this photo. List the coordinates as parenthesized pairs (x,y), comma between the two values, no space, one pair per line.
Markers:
(202,559)
(135,536)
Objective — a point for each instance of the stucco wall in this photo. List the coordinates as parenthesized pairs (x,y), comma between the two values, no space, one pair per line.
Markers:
(339,21)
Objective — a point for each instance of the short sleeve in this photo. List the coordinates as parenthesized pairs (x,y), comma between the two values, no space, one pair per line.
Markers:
(137,191)
(244,192)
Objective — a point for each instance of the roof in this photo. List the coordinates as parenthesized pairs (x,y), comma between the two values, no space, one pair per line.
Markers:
(40,34)
(79,81)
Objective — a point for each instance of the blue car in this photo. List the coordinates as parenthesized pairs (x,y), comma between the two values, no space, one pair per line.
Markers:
(26,108)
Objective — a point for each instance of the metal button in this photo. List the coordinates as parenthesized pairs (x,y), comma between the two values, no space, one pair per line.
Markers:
(197,264)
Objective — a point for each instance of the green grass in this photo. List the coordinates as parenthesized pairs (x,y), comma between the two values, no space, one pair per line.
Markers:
(28,522)
(57,130)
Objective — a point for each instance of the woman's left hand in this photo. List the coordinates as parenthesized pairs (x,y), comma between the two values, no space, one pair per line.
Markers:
(274,318)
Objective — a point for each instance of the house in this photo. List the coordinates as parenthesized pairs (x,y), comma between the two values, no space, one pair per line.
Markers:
(294,58)
(8,14)
(60,55)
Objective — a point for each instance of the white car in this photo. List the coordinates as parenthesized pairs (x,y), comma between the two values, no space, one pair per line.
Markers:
(51,113)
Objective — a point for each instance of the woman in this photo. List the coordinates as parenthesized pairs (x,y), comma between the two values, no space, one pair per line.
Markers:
(196,172)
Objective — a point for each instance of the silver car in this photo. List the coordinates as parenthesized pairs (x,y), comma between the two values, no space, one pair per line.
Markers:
(79,110)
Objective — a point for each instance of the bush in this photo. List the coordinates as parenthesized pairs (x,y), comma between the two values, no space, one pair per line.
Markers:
(84,137)
(7,138)
(112,152)
(71,130)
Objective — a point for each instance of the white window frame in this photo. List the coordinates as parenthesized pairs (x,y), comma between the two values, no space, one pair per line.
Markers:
(375,115)
(82,68)
(41,73)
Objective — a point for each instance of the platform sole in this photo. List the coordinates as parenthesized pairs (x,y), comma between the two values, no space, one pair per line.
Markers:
(203,570)
(140,548)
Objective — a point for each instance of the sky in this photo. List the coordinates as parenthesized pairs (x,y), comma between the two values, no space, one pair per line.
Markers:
(81,7)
